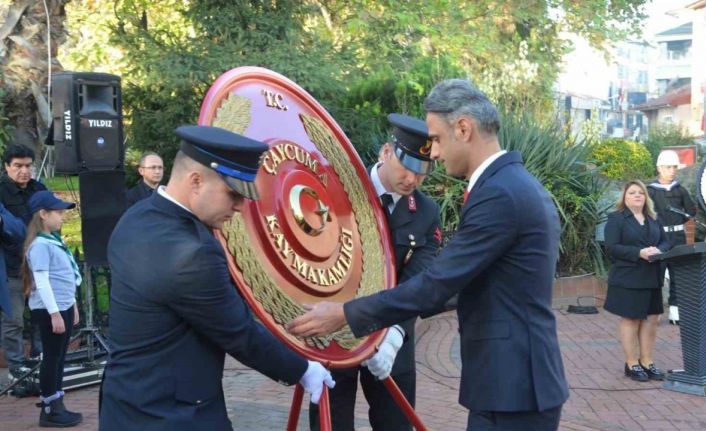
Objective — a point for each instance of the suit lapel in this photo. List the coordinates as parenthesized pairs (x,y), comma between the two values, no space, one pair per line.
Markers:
(401,215)
(653,236)
(650,237)
(499,163)
(633,224)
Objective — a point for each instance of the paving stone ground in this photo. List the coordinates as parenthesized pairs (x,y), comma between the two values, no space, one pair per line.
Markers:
(601,397)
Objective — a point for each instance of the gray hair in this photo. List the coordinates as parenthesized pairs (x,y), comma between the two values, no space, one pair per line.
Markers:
(456,97)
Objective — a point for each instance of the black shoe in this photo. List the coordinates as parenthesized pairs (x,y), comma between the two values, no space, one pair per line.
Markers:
(637,373)
(55,415)
(653,372)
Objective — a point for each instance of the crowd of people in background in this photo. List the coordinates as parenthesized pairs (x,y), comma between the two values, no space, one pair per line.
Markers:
(187,310)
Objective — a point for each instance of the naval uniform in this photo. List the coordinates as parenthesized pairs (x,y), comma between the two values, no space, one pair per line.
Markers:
(678,197)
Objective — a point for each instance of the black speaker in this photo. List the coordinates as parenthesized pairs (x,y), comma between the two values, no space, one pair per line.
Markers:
(102,204)
(87,122)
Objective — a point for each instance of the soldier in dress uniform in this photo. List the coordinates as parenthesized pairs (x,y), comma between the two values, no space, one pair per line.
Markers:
(666,192)
(174,311)
(413,219)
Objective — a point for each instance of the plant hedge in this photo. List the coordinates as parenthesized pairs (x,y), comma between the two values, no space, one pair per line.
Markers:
(623,159)
(665,135)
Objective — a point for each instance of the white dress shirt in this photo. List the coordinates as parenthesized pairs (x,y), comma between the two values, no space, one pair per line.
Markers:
(483,166)
(381,190)
(162,190)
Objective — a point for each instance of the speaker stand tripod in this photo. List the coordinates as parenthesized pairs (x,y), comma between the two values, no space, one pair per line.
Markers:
(91,332)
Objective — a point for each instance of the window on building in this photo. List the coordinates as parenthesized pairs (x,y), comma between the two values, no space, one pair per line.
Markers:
(623,72)
(642,77)
(678,49)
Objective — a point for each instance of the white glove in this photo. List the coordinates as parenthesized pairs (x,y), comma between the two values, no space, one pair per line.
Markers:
(380,364)
(314,379)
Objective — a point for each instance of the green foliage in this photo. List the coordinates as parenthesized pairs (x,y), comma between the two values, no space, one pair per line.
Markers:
(623,159)
(63,183)
(361,59)
(5,126)
(447,191)
(591,129)
(363,111)
(560,164)
(665,135)
(178,49)
(71,229)
(132,162)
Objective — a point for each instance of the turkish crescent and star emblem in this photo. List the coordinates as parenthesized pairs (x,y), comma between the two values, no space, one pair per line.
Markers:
(318,231)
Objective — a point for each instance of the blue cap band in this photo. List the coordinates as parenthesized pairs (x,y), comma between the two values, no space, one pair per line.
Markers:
(209,159)
(233,173)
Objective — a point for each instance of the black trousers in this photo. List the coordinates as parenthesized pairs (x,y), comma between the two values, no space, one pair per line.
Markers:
(547,420)
(384,413)
(51,371)
(675,238)
(672,300)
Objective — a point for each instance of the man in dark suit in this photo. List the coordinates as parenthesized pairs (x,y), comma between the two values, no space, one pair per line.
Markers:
(16,187)
(174,311)
(501,262)
(12,233)
(413,219)
(151,170)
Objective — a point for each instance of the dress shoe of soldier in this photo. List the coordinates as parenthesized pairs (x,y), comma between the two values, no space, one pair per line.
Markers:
(653,372)
(55,415)
(673,315)
(637,373)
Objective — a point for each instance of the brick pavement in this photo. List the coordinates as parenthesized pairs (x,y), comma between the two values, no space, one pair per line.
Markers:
(601,397)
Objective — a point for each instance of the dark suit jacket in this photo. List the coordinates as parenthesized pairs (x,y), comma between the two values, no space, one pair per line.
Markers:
(501,262)
(423,225)
(140,191)
(624,238)
(174,313)
(12,234)
(16,200)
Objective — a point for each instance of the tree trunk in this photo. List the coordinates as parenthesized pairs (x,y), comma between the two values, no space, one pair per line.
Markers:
(25,66)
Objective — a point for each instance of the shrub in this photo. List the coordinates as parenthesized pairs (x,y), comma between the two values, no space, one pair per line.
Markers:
(622,159)
(665,135)
(561,166)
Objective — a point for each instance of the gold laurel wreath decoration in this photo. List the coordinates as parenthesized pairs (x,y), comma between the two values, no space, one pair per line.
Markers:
(233,114)
(274,301)
(372,277)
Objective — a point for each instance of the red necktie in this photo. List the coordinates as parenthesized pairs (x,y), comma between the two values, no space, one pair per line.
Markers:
(465,196)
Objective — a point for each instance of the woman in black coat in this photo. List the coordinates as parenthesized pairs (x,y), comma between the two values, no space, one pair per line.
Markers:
(632,235)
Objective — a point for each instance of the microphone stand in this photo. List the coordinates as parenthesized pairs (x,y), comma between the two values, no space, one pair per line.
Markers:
(684,214)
